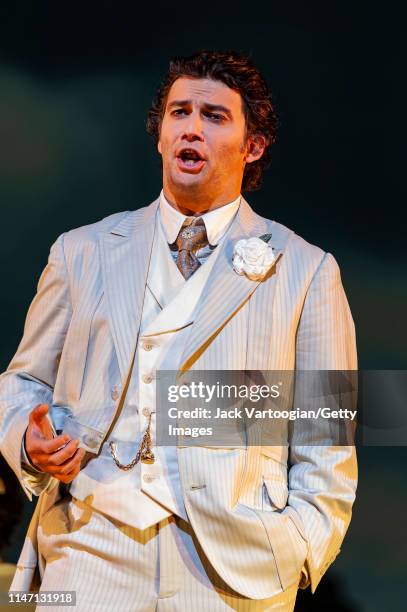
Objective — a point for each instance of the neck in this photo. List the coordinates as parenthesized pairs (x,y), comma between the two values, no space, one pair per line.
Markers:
(193,207)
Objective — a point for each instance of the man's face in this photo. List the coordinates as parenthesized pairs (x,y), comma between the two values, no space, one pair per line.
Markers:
(203,142)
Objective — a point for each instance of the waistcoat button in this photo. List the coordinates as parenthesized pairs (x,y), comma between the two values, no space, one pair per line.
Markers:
(115,394)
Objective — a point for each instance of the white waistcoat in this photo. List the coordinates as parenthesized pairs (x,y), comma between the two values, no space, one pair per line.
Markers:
(148,493)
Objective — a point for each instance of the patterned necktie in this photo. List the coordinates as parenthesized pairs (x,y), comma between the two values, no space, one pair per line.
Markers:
(192,236)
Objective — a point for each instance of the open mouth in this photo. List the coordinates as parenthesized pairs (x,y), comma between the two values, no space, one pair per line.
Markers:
(190,160)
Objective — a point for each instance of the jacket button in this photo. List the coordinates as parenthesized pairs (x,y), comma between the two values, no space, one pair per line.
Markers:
(147,378)
(148,477)
(90,441)
(146,412)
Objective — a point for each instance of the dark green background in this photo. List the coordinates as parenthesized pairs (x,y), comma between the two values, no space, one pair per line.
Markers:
(75,86)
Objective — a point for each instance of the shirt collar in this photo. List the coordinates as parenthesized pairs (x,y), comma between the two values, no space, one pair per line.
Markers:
(216,221)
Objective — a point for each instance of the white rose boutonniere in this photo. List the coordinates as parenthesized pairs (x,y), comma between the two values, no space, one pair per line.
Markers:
(253,257)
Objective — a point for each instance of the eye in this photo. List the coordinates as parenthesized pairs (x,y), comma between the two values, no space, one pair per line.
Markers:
(178,112)
(215,116)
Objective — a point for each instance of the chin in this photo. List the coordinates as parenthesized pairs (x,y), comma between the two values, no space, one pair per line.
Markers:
(189,181)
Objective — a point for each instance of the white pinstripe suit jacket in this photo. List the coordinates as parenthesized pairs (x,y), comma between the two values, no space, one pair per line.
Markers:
(297,318)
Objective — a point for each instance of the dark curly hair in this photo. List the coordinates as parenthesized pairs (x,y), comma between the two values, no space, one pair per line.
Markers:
(237,72)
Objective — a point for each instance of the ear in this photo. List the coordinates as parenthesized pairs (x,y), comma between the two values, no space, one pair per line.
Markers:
(255,147)
(159,147)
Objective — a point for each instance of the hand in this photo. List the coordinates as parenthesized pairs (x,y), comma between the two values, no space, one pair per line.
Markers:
(45,451)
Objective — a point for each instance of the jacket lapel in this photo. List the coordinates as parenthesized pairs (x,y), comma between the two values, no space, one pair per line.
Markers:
(125,255)
(226,291)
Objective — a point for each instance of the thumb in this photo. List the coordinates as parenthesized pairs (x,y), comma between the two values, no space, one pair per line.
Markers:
(38,417)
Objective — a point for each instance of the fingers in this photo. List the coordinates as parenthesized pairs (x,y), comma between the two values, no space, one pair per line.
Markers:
(44,447)
(38,418)
(56,458)
(59,457)
(69,466)
(70,476)
(38,413)
(67,470)
(51,446)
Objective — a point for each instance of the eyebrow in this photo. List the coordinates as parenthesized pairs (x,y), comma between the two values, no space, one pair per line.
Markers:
(207,105)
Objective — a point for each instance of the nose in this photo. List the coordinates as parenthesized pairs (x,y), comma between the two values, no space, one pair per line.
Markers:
(193,128)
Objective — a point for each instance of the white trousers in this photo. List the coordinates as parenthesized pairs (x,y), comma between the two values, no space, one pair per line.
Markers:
(114,567)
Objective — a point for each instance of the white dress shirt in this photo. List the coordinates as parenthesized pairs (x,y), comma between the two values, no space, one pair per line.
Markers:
(216,222)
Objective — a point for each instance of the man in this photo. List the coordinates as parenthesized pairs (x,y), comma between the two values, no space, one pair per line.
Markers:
(136,526)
